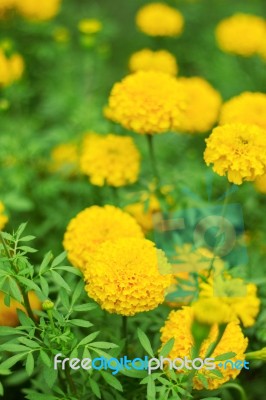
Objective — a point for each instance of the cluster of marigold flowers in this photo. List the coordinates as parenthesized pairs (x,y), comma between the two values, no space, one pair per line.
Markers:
(34,10)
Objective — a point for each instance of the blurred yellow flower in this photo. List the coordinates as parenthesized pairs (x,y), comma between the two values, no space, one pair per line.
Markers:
(89,26)
(212,310)
(61,34)
(147,102)
(144,212)
(110,159)
(247,108)
(260,184)
(5,6)
(38,10)
(12,68)
(148,60)
(222,291)
(129,270)
(237,150)
(203,105)
(241,34)
(158,19)
(178,326)
(8,315)
(3,217)
(64,158)
(93,226)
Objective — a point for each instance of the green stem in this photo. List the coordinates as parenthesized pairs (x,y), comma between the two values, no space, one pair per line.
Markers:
(70,380)
(124,333)
(115,196)
(236,387)
(24,294)
(150,140)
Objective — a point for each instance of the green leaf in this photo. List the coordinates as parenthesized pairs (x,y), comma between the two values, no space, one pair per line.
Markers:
(29,364)
(12,361)
(60,281)
(1,389)
(50,376)
(45,358)
(30,343)
(77,292)
(95,388)
(144,340)
(27,238)
(13,348)
(104,345)
(61,257)
(151,389)
(44,286)
(225,356)
(167,348)
(112,381)
(27,249)
(202,378)
(28,283)
(85,307)
(47,258)
(81,322)
(15,290)
(217,373)
(88,338)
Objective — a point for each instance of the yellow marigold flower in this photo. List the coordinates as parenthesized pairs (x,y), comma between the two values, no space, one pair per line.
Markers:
(89,26)
(144,215)
(148,60)
(5,6)
(64,158)
(93,226)
(178,326)
(212,311)
(11,68)
(203,105)
(129,270)
(158,19)
(8,315)
(111,159)
(237,150)
(147,102)
(38,10)
(241,34)
(247,108)
(239,298)
(3,217)
(260,184)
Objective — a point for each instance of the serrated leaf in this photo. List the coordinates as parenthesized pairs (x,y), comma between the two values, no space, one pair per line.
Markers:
(167,348)
(112,381)
(225,356)
(29,364)
(95,388)
(145,342)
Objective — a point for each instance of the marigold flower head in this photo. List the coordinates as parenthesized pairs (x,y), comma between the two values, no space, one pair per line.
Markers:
(38,10)
(89,26)
(178,326)
(3,217)
(111,159)
(147,102)
(203,106)
(232,297)
(64,158)
(130,272)
(148,60)
(158,19)
(260,184)
(5,6)
(237,150)
(241,34)
(93,226)
(247,108)
(11,68)
(8,315)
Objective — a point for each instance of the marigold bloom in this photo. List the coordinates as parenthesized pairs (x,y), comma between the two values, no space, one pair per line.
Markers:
(260,184)
(89,26)
(148,60)
(147,102)
(241,34)
(5,6)
(178,326)
(11,68)
(237,299)
(158,19)
(3,217)
(8,315)
(93,226)
(111,159)
(237,150)
(203,106)
(129,270)
(247,108)
(38,10)
(64,158)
